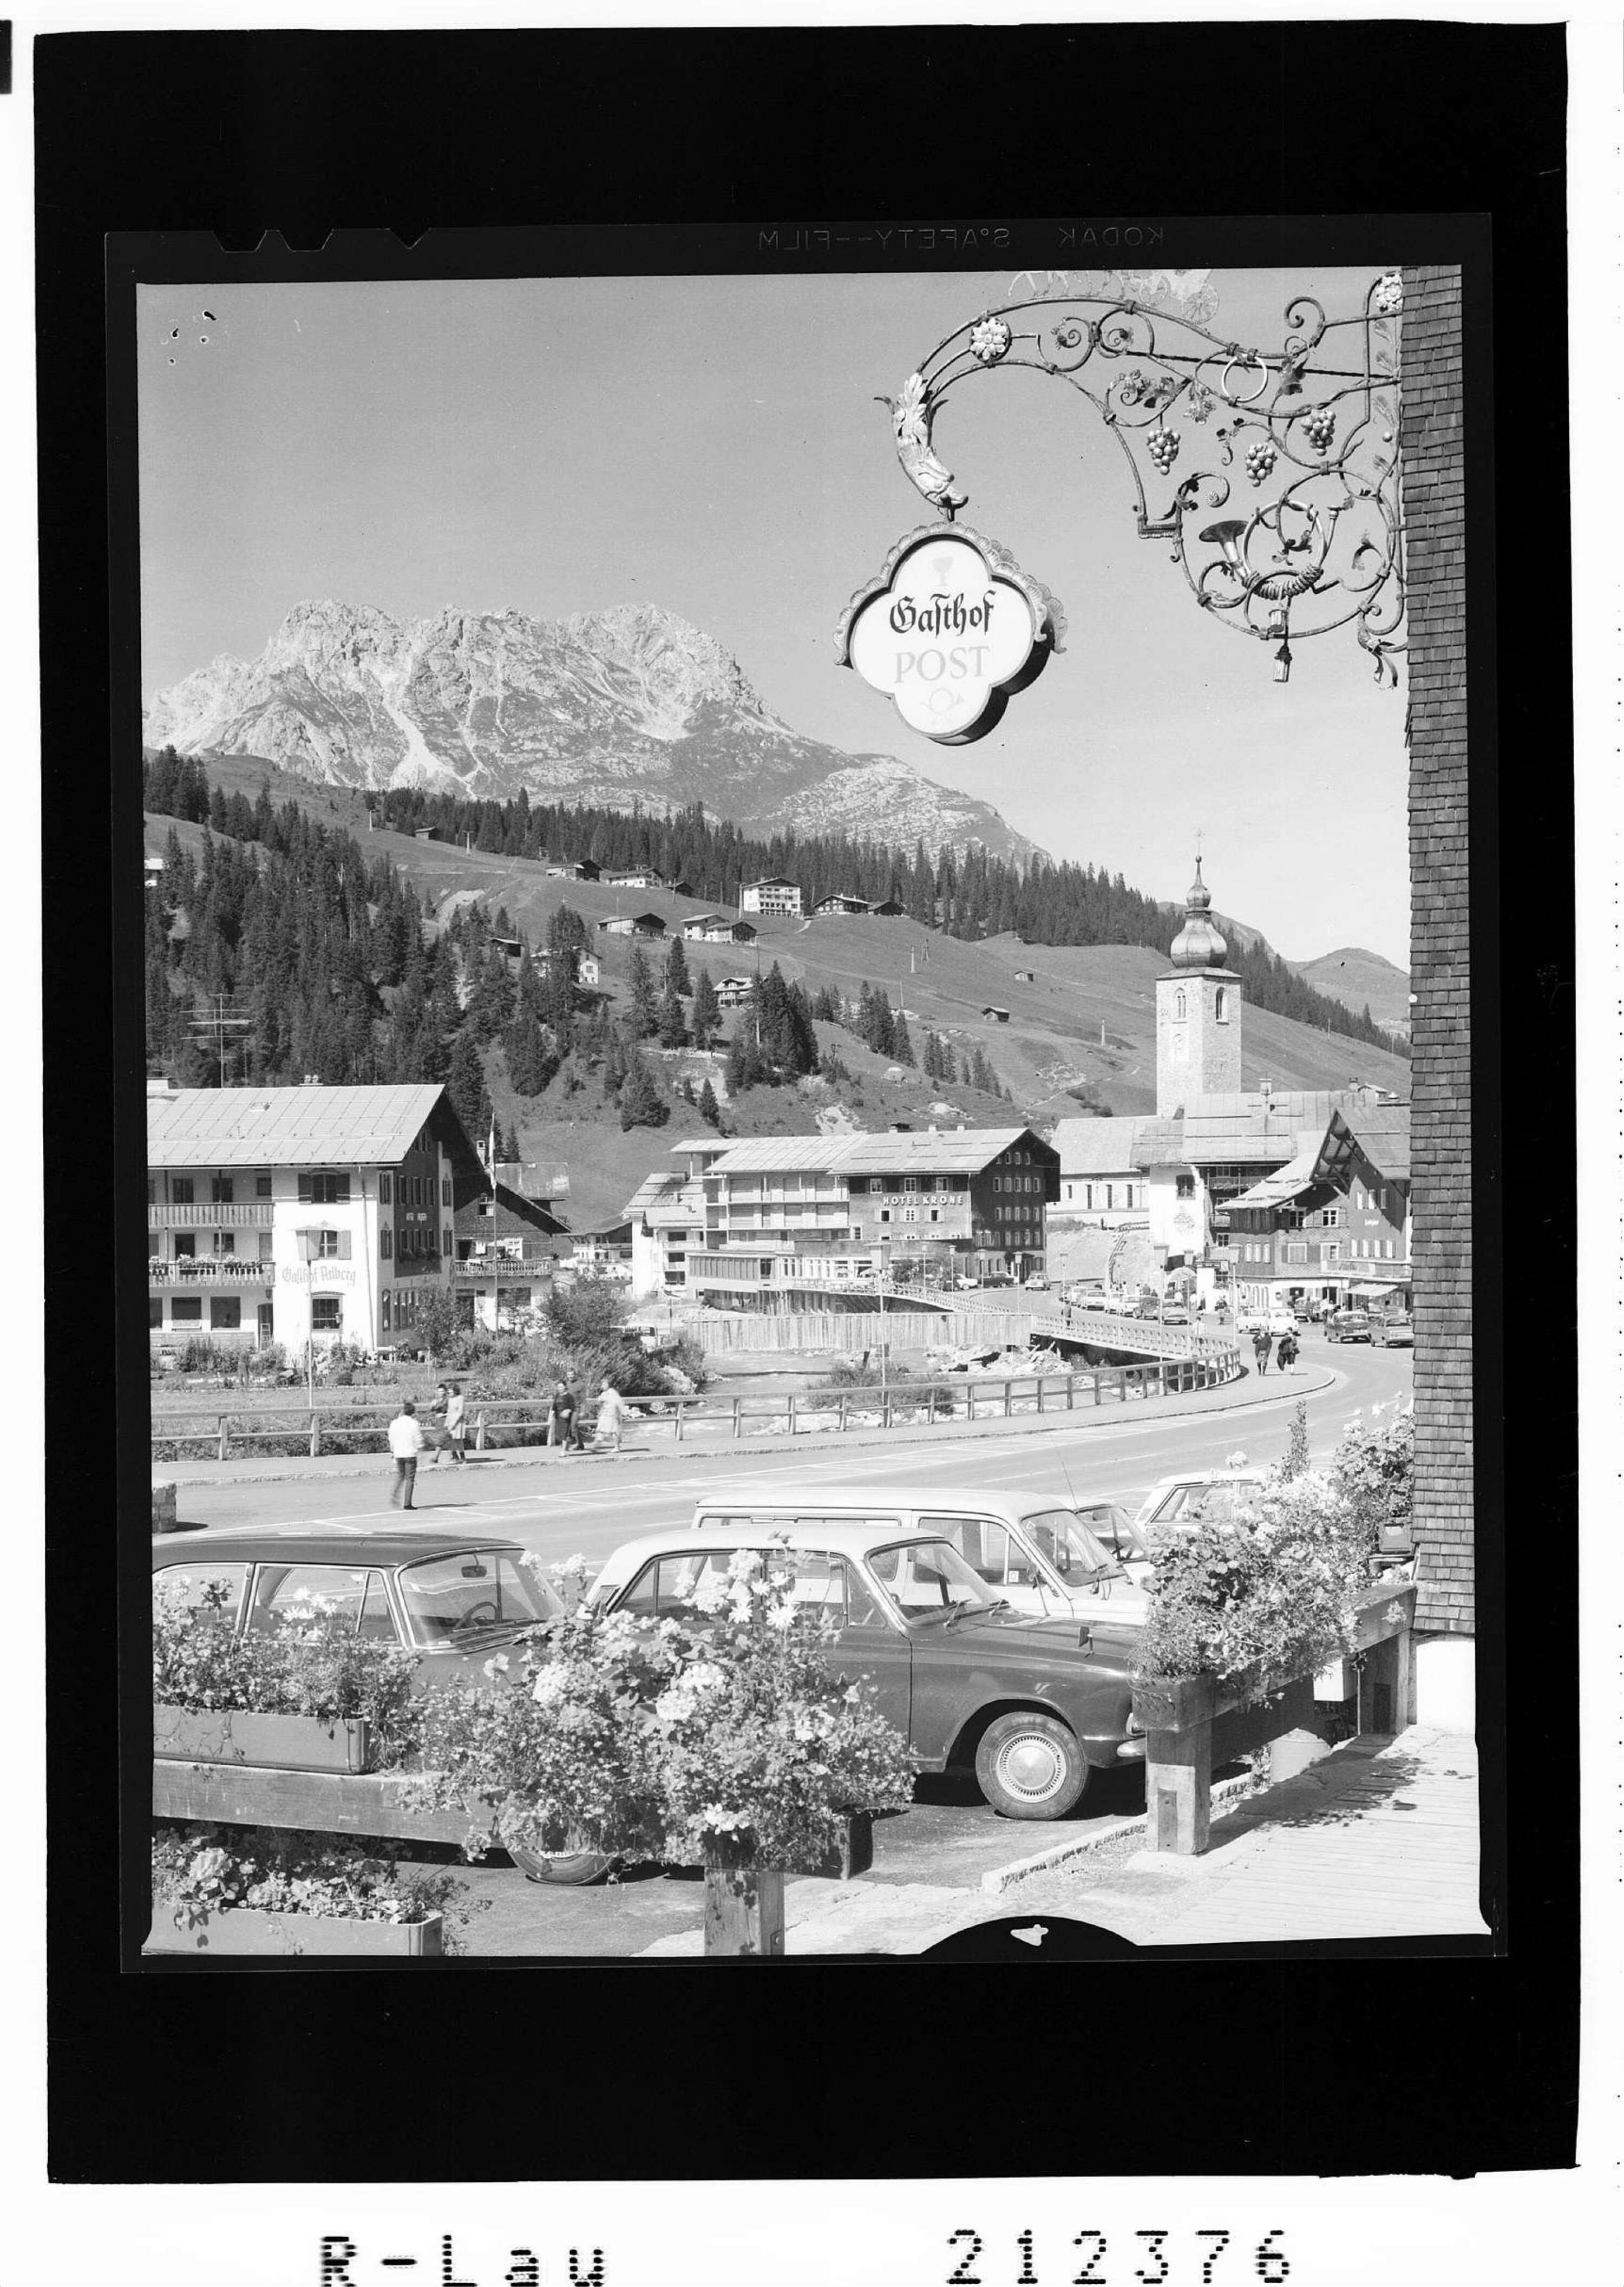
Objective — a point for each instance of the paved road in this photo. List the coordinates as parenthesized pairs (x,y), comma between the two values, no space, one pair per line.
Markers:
(558,1506)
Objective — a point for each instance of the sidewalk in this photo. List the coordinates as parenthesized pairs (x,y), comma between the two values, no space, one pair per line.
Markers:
(708,1443)
(1378,1839)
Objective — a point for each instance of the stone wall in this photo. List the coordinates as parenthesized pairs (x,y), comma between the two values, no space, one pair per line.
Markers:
(1440,1117)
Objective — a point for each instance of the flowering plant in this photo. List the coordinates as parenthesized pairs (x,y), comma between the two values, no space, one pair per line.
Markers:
(689,1741)
(310,1663)
(206,1869)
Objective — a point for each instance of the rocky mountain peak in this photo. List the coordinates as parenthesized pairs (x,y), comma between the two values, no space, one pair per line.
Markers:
(632,703)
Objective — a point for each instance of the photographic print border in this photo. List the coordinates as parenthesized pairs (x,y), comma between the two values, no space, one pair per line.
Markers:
(1225,1979)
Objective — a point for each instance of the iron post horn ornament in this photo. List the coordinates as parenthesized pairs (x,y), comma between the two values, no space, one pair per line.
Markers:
(949,630)
(1311,427)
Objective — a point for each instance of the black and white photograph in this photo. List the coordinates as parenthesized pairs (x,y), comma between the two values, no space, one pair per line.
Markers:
(786,1305)
(808,799)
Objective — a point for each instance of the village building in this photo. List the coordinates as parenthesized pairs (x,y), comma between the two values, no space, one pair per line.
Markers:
(839,902)
(605,1254)
(772,896)
(968,1201)
(635,877)
(1250,1191)
(573,869)
(700,925)
(507,1250)
(291,1214)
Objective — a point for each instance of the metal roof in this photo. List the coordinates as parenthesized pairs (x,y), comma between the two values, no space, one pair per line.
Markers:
(1096,1147)
(663,1190)
(289,1127)
(1297,1176)
(965,1150)
(1382,1133)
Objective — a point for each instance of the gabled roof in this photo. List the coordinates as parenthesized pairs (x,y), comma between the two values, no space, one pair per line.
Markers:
(965,1150)
(663,1190)
(773,881)
(294,1127)
(1288,1183)
(1382,1134)
(513,1212)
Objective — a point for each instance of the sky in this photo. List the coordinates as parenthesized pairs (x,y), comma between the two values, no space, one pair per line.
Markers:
(714,446)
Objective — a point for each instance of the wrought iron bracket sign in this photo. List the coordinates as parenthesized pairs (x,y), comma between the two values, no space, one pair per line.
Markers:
(949,630)
(1315,541)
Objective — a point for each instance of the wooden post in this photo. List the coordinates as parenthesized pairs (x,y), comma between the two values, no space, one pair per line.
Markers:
(1178,1775)
(1384,1687)
(1070,1392)
(479,1431)
(792,1414)
(744,1912)
(840,1422)
(676,1433)
(738,1418)
(225,1439)
(1098,1379)
(1121,1384)
(1039,1393)
(1009,1397)
(316,1433)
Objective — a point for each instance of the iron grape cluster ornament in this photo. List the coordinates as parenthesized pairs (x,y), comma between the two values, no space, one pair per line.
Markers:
(949,630)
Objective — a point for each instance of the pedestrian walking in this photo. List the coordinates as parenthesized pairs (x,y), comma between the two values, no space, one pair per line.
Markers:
(406,1442)
(457,1423)
(435,1428)
(1261,1342)
(564,1417)
(613,1414)
(1286,1356)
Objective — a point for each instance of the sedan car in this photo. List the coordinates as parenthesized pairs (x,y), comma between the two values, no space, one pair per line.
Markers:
(1033,1706)
(1392,1333)
(1194,1495)
(455,1597)
(1349,1326)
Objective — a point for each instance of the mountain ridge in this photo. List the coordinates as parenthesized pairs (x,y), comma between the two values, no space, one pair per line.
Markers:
(632,704)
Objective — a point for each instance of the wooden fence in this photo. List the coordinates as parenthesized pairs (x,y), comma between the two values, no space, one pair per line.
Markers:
(498,1421)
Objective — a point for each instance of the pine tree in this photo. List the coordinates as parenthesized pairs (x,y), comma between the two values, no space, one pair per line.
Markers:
(465,1086)
(642,1105)
(673,1024)
(901,1046)
(709,1111)
(706,1019)
(677,969)
(643,1014)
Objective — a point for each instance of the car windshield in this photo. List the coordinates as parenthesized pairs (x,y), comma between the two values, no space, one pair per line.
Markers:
(1082,1543)
(929,1579)
(456,1596)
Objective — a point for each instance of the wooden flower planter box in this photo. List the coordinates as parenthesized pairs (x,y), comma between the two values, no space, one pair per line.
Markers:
(289,1743)
(1184,1716)
(252,1930)
(744,1902)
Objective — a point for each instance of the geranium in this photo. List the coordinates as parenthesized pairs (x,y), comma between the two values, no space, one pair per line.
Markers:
(285,1872)
(654,1742)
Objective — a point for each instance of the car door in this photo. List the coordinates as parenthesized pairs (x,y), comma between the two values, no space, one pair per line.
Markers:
(867,1644)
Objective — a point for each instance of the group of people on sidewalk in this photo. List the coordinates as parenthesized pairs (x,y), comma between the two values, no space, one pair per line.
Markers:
(448,1430)
(1262,1343)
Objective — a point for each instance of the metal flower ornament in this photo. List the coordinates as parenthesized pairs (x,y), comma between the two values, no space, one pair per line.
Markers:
(1300,443)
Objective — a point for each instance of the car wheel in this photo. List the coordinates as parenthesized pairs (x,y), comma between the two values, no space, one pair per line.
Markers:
(565,1866)
(1030,1766)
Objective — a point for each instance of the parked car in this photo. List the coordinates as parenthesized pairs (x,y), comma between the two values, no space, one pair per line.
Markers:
(1393,1333)
(1348,1327)
(954,1666)
(1273,1322)
(1192,1495)
(1037,1283)
(1044,1556)
(455,1597)
(1175,1315)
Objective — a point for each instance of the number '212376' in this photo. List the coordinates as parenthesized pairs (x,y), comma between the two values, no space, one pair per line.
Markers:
(1153,2265)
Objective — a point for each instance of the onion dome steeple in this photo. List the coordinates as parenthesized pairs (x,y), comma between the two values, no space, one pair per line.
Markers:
(1198,944)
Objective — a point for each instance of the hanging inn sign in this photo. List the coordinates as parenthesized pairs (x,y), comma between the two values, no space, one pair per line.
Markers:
(1302,438)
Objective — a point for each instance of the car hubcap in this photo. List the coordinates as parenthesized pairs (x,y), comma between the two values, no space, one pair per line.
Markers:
(1032,1768)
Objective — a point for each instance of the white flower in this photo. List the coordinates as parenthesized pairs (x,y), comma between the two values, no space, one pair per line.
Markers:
(781,1617)
(551,1685)
(723,1821)
(496,1667)
(704,1675)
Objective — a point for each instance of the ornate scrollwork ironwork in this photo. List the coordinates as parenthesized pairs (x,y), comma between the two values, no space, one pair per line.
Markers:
(1310,429)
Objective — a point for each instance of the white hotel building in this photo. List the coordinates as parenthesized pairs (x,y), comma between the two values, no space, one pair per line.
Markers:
(273,1214)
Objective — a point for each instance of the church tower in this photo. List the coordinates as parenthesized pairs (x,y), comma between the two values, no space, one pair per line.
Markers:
(1198,1013)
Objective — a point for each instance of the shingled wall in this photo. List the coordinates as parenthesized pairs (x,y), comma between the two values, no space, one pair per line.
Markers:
(1440,1116)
